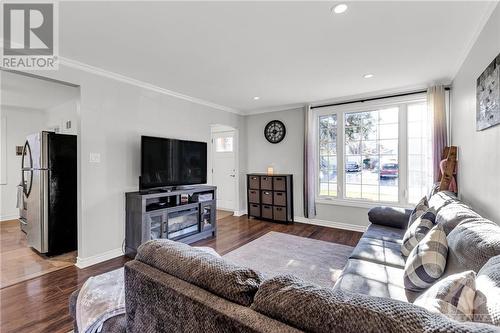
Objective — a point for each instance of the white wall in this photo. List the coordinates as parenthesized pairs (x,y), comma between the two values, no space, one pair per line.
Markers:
(59,115)
(20,123)
(286,156)
(479,153)
(113,116)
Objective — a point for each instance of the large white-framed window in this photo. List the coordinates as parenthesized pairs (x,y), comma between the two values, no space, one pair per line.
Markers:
(374,152)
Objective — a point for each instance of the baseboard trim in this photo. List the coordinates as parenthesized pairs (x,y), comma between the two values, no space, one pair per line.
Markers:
(89,261)
(238,213)
(9,217)
(331,224)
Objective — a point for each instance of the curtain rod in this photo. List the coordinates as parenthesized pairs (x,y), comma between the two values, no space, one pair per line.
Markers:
(373,99)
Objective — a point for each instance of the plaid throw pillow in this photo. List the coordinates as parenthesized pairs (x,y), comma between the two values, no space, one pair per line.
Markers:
(427,261)
(434,190)
(417,231)
(453,296)
(419,209)
(487,302)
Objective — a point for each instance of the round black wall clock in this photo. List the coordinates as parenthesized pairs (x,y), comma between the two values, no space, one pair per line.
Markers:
(275,131)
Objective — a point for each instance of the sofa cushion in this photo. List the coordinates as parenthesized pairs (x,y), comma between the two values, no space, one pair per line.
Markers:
(427,261)
(487,302)
(419,209)
(417,231)
(474,242)
(452,296)
(441,199)
(379,251)
(315,309)
(389,216)
(454,213)
(384,233)
(374,279)
(237,284)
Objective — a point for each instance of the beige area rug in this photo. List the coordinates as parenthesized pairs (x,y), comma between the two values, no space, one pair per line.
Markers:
(309,259)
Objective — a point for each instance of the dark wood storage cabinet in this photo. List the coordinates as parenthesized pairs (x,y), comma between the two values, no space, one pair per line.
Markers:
(160,214)
(270,197)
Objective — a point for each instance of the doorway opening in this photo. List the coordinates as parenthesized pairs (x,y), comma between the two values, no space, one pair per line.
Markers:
(224,167)
(39,176)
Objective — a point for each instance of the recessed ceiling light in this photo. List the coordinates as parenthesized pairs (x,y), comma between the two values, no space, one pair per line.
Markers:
(340,8)
(256,98)
(368,76)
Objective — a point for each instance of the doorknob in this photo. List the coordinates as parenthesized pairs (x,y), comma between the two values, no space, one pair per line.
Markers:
(232,176)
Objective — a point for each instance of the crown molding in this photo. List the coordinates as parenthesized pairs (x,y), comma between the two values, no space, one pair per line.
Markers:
(347,98)
(278,108)
(21,108)
(377,93)
(122,78)
(482,22)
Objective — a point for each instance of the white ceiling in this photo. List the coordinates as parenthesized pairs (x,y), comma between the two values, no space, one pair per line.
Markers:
(29,93)
(285,52)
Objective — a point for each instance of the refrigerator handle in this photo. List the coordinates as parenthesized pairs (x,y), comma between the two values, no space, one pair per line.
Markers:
(27,151)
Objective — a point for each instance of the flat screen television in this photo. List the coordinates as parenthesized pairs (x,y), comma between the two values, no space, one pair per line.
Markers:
(170,162)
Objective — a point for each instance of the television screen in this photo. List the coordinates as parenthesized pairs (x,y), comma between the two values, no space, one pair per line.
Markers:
(170,162)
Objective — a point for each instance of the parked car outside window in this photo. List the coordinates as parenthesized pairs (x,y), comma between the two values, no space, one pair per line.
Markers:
(389,170)
(352,167)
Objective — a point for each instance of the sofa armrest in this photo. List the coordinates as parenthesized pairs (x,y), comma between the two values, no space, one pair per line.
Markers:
(159,302)
(390,216)
(203,269)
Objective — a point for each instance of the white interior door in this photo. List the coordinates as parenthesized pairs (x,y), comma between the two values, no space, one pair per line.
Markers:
(224,169)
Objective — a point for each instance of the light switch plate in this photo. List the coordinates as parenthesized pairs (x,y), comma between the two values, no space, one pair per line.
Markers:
(95,158)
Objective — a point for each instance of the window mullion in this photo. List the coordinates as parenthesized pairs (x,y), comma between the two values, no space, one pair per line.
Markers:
(403,154)
(340,155)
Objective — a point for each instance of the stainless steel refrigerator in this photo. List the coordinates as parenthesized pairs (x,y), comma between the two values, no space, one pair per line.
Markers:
(49,180)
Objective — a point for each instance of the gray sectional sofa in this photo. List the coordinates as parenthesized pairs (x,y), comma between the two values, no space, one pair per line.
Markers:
(172,287)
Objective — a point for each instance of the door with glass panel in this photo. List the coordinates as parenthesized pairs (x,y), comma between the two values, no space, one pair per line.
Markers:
(224,169)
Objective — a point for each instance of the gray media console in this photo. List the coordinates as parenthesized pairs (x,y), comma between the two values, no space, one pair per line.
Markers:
(185,215)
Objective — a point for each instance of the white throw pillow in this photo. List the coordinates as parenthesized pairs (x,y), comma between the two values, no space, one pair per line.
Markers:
(452,296)
(487,302)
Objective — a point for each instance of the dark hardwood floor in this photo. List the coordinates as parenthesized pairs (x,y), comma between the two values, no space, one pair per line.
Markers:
(41,304)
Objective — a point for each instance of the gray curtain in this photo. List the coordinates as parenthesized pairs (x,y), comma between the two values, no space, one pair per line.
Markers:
(437,110)
(310,173)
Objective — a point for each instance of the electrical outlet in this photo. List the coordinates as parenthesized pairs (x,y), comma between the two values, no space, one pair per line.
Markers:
(95,158)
